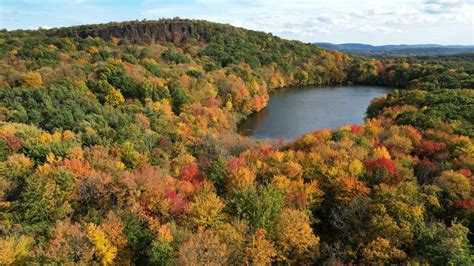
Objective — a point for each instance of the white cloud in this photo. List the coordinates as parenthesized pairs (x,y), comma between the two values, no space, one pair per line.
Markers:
(380,29)
(446,6)
(409,17)
(371,13)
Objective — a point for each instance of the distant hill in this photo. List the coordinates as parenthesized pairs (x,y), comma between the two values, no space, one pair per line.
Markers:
(397,50)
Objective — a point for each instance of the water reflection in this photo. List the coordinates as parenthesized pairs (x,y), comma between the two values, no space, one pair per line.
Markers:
(294,111)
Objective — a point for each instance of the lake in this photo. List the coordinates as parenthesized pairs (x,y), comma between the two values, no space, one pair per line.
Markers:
(294,111)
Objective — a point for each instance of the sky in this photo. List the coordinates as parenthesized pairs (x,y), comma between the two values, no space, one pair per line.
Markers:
(337,21)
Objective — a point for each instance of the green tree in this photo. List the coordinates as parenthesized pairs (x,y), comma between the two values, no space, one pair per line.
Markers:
(260,206)
(441,245)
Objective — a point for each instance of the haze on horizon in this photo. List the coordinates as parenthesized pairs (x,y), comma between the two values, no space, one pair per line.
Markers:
(366,21)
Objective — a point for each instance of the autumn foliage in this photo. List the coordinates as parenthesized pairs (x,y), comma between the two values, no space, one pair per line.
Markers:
(117,152)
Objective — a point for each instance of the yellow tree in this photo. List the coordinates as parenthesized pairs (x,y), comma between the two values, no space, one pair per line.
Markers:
(114,98)
(31,79)
(454,186)
(294,236)
(380,251)
(104,250)
(15,250)
(206,209)
(260,251)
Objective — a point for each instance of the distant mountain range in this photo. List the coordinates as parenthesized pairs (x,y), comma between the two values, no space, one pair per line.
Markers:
(398,50)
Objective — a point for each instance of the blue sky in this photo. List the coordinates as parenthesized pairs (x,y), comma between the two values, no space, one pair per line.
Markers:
(338,21)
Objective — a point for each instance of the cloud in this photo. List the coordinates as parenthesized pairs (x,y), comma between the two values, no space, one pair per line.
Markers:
(335,20)
(449,11)
(381,29)
(446,6)
(409,17)
(371,13)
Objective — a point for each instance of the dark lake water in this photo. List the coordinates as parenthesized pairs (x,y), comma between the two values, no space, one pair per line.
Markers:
(292,112)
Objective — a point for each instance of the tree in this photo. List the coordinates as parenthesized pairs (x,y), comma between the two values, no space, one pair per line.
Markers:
(204,248)
(206,209)
(380,170)
(174,57)
(31,79)
(104,250)
(347,188)
(260,251)
(454,186)
(113,228)
(15,250)
(443,245)
(69,244)
(239,176)
(139,238)
(301,77)
(116,76)
(380,251)
(12,175)
(161,253)
(260,206)
(294,236)
(234,235)
(114,98)
(179,98)
(44,199)
(356,167)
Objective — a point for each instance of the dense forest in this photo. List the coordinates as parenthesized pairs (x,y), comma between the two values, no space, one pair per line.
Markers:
(118,145)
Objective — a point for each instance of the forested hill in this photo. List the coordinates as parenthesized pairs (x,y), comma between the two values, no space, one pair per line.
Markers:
(223,44)
(205,47)
(118,147)
(162,48)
